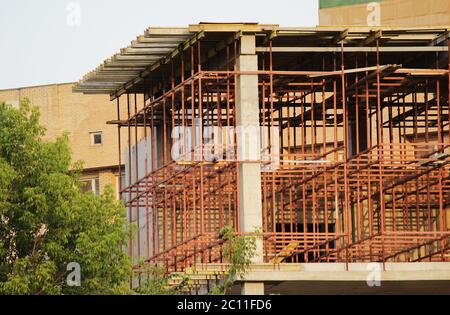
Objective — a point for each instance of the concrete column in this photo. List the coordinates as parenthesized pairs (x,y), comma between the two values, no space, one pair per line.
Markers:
(107,178)
(252,288)
(249,150)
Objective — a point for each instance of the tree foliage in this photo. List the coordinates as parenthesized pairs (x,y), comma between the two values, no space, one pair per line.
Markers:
(47,221)
(239,249)
(155,281)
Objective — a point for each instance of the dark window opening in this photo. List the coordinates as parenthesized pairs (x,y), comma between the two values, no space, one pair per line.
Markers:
(314,253)
(97,138)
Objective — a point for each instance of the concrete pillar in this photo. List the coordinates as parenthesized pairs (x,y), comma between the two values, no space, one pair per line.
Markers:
(107,178)
(252,288)
(249,150)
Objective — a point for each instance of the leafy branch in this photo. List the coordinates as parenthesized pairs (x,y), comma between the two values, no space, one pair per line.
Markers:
(240,250)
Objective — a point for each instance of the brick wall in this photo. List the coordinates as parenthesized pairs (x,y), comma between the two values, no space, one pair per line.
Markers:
(410,13)
(64,111)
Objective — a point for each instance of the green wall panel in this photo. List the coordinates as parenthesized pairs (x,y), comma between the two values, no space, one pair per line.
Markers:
(323,4)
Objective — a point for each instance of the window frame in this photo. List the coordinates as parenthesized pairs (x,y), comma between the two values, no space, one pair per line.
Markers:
(93,134)
(95,184)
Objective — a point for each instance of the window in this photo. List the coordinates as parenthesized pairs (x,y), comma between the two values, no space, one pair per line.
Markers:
(14,104)
(97,138)
(92,185)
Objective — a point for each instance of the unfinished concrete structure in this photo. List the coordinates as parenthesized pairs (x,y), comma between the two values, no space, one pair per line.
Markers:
(344,157)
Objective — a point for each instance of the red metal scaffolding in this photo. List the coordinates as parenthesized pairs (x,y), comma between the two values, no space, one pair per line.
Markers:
(363,171)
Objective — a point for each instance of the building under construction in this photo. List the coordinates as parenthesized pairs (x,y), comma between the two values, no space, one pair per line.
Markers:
(332,143)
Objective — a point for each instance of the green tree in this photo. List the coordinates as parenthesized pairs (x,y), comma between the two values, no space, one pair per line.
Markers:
(239,249)
(47,221)
(155,281)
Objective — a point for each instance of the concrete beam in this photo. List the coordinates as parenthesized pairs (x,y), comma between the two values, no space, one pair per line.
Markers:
(353,49)
(421,271)
(252,288)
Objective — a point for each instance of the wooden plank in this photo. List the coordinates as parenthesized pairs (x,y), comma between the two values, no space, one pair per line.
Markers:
(340,37)
(167,31)
(172,45)
(440,39)
(146,51)
(286,252)
(162,40)
(355,70)
(233,27)
(374,35)
(139,58)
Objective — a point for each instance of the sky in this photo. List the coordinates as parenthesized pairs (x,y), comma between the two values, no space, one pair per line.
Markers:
(58,41)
